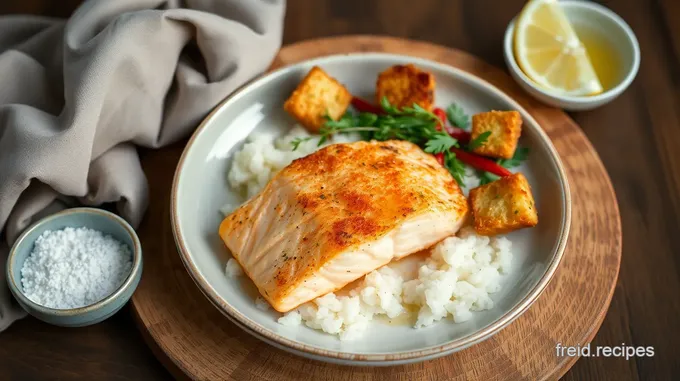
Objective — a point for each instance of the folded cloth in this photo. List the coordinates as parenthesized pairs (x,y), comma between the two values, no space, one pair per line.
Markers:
(77,96)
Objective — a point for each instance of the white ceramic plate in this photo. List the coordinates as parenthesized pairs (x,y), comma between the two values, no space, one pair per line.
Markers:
(200,189)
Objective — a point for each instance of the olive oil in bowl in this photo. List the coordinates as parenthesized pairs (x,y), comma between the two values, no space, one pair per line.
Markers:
(611,49)
(603,56)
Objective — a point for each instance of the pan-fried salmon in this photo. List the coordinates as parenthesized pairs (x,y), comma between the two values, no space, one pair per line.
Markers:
(333,216)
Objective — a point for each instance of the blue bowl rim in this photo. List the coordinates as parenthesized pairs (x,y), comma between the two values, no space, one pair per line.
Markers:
(129,281)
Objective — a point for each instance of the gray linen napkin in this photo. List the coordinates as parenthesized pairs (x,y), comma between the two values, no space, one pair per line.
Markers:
(77,96)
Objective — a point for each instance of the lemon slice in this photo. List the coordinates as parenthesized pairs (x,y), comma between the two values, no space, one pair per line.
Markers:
(550,53)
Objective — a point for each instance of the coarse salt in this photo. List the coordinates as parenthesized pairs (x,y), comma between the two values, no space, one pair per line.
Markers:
(74,267)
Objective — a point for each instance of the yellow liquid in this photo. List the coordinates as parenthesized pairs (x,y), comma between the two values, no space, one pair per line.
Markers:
(407,318)
(602,54)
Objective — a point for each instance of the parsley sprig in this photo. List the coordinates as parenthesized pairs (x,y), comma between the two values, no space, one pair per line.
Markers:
(479,140)
(520,155)
(416,125)
(297,141)
(440,143)
(457,116)
(456,167)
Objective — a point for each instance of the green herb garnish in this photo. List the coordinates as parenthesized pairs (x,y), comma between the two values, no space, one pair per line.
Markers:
(419,126)
(486,177)
(440,143)
(297,141)
(457,116)
(520,155)
(455,167)
(414,124)
(479,140)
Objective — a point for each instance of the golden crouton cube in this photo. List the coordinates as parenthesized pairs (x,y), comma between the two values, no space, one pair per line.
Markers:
(505,128)
(503,205)
(317,96)
(404,85)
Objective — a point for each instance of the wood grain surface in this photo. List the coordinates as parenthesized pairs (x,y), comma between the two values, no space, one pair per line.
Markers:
(637,137)
(192,338)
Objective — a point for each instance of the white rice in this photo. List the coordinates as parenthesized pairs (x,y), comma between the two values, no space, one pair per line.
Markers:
(233,269)
(292,318)
(455,281)
(263,155)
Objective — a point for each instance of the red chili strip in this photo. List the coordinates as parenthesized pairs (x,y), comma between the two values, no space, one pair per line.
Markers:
(440,158)
(458,133)
(441,114)
(365,106)
(480,163)
(455,132)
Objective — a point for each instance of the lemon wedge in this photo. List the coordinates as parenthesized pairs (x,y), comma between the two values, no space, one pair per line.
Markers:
(550,53)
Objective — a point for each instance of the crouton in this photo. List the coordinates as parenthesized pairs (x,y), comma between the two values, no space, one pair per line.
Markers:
(503,206)
(505,128)
(404,85)
(317,96)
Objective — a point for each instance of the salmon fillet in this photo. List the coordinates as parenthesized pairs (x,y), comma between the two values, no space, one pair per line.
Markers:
(333,216)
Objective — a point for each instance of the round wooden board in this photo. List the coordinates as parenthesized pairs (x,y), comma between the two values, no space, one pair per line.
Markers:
(194,340)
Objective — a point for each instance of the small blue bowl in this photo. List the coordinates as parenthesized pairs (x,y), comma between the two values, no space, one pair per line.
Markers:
(92,218)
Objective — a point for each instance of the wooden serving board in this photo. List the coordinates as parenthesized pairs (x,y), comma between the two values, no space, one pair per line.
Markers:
(194,340)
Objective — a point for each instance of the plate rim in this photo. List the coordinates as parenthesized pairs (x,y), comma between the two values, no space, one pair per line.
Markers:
(335,356)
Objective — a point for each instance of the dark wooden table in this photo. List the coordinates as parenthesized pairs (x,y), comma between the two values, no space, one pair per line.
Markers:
(637,136)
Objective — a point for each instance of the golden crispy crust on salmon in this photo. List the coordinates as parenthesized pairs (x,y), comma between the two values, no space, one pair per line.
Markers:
(339,198)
